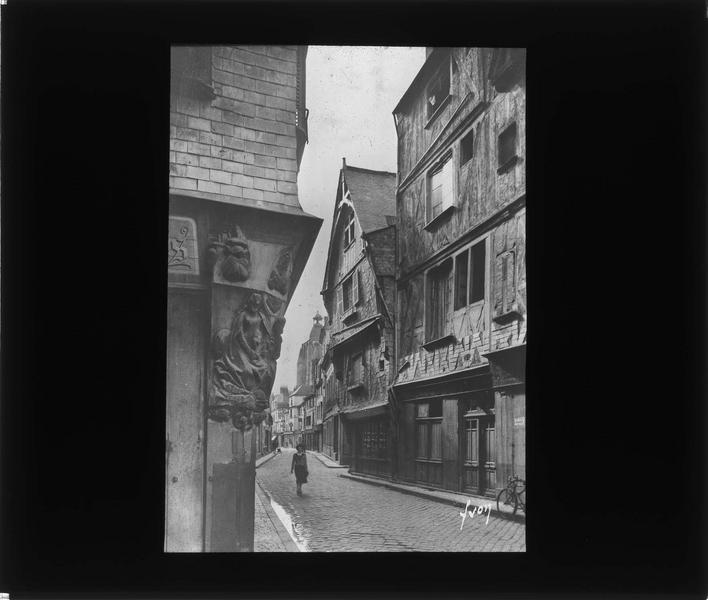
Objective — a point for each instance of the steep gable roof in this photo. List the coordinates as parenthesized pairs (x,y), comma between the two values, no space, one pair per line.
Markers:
(373,194)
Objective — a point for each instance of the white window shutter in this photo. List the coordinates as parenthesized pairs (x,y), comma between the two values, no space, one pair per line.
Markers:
(448,185)
(339,301)
(355,287)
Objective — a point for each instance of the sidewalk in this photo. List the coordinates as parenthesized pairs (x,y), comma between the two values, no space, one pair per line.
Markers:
(453,498)
(327,461)
(269,533)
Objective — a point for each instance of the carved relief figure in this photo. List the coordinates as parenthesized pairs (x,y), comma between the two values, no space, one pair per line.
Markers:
(236,257)
(279,279)
(182,246)
(245,364)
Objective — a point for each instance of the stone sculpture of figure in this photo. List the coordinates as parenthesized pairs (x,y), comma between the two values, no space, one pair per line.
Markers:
(279,279)
(244,368)
(236,263)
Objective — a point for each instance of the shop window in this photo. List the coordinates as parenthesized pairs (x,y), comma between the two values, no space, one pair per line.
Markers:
(466,148)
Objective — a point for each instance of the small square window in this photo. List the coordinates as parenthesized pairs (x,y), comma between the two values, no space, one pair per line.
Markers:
(507,145)
(466,148)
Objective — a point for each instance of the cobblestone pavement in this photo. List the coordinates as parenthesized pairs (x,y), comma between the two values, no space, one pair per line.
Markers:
(336,514)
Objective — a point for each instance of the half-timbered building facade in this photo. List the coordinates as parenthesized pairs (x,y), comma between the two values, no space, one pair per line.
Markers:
(358,294)
(461,271)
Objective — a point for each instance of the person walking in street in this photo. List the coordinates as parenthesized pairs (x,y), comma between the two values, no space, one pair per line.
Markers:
(299,465)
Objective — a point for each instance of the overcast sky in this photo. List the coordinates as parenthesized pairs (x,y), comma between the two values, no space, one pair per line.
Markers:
(351,93)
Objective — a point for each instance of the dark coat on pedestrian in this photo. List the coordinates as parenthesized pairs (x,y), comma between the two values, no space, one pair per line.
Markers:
(299,465)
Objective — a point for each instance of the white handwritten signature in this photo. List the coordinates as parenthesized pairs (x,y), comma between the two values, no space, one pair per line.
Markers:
(476,510)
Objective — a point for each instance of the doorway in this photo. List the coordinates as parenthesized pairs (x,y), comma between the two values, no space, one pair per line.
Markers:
(479,448)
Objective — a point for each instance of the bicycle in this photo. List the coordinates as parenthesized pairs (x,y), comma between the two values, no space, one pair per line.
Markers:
(514,494)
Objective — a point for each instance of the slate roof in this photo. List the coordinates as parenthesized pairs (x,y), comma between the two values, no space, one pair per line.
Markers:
(373,194)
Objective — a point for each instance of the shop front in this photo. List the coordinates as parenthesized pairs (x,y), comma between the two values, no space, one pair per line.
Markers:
(446,428)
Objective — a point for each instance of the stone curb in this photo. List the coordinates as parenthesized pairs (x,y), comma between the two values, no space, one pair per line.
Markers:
(280,530)
(404,489)
(264,459)
(327,462)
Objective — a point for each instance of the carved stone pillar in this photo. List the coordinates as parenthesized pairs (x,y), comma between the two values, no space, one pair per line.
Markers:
(245,262)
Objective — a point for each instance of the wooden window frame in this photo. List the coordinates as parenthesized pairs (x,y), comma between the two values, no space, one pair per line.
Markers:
(355,381)
(448,203)
(428,422)
(432,112)
(468,250)
(354,297)
(349,232)
(436,276)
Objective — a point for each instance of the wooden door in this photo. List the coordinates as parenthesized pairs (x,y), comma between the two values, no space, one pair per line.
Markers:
(479,464)
(184,482)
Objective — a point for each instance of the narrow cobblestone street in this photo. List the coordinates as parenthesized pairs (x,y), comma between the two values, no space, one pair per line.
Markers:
(336,514)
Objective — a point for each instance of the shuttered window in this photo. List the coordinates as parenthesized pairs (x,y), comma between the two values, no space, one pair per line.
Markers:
(440,189)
